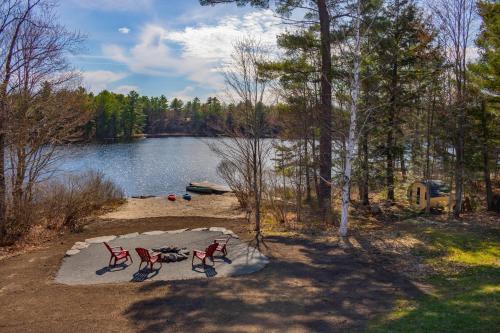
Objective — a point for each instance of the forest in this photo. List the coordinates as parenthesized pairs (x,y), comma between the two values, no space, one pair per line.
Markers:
(116,116)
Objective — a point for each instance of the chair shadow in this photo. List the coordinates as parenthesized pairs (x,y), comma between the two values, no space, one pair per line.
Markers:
(207,269)
(111,269)
(144,274)
(224,259)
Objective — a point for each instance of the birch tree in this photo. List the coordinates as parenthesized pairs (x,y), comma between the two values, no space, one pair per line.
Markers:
(353,122)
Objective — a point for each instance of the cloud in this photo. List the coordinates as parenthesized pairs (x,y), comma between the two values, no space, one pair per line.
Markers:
(96,81)
(187,94)
(125,89)
(124,30)
(195,52)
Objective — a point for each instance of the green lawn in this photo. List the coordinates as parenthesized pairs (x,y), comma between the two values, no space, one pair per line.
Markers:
(467,285)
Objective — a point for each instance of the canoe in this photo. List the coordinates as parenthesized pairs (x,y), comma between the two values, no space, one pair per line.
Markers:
(171,197)
(186,197)
(199,189)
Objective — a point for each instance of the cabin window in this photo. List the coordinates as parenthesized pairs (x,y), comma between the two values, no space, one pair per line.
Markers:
(418,196)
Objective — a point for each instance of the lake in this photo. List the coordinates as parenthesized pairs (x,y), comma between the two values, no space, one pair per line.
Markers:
(154,166)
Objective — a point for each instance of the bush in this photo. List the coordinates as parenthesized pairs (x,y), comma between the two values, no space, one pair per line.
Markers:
(64,203)
(67,202)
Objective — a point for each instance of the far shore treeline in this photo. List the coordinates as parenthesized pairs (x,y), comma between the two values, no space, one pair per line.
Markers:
(123,117)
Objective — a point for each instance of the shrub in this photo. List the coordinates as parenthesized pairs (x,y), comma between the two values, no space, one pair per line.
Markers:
(68,201)
(64,203)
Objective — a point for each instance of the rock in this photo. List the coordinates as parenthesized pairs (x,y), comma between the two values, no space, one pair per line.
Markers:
(100,239)
(177,231)
(375,209)
(131,235)
(155,232)
(80,246)
(72,252)
(219,229)
(199,229)
(170,256)
(230,233)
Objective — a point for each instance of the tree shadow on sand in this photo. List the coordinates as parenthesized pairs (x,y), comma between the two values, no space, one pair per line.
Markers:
(307,285)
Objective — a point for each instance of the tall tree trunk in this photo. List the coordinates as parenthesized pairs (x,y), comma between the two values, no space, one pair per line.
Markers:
(315,166)
(403,166)
(3,208)
(390,133)
(430,114)
(365,169)
(390,160)
(325,140)
(393,105)
(351,141)
(486,158)
(459,164)
(256,184)
(308,169)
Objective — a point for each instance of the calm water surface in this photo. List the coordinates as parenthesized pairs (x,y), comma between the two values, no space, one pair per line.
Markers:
(155,166)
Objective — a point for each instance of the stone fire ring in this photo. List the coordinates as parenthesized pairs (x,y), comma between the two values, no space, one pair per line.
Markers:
(87,261)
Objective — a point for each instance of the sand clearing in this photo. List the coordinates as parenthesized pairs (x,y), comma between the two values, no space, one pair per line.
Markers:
(222,206)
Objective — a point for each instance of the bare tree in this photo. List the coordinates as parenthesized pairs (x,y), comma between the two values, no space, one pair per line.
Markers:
(38,111)
(245,152)
(13,15)
(455,18)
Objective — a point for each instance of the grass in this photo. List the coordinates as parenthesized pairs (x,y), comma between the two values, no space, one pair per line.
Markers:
(466,283)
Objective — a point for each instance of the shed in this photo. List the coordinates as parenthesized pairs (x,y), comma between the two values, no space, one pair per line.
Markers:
(439,192)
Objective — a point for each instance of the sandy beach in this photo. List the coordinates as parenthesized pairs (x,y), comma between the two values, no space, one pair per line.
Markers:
(219,206)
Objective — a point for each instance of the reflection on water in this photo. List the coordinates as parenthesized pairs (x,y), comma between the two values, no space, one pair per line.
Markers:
(155,166)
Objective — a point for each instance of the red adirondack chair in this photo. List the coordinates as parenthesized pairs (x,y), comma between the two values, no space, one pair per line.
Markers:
(148,257)
(117,253)
(222,245)
(203,255)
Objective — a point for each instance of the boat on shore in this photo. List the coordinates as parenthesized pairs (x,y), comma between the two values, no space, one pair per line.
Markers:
(199,189)
(207,188)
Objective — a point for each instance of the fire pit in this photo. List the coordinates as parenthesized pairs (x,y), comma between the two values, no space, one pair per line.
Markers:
(172,254)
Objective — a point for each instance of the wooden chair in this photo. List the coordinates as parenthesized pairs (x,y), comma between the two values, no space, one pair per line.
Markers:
(222,245)
(148,257)
(203,255)
(117,253)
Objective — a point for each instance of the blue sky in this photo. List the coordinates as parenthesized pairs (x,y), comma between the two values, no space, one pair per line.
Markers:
(169,47)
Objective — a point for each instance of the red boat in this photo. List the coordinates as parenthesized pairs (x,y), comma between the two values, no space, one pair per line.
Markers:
(171,197)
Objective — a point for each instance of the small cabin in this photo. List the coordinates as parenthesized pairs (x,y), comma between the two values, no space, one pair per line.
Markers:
(439,192)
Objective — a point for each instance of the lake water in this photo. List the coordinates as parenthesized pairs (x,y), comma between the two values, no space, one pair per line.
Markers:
(155,166)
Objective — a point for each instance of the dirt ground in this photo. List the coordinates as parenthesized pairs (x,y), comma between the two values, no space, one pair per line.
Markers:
(201,205)
(310,285)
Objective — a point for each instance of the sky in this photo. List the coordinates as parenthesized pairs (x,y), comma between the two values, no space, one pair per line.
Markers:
(160,47)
